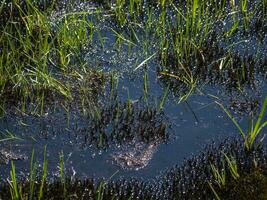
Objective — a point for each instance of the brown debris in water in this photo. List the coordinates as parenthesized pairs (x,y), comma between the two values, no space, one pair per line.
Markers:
(7,156)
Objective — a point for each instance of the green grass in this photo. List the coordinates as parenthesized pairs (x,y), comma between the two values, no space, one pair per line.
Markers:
(7,136)
(251,142)
(40,59)
(37,58)
(252,134)
(219,175)
(231,162)
(17,191)
(37,187)
(248,185)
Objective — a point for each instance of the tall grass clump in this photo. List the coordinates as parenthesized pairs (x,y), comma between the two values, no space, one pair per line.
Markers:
(39,58)
(36,185)
(189,28)
(26,46)
(198,43)
(18,189)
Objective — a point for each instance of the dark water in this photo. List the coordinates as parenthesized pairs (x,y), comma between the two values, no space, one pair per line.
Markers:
(193,123)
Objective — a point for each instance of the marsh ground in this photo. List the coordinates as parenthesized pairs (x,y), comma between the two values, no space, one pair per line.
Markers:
(93,79)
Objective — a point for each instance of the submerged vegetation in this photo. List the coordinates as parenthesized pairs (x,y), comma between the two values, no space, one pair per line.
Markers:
(126,122)
(60,53)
